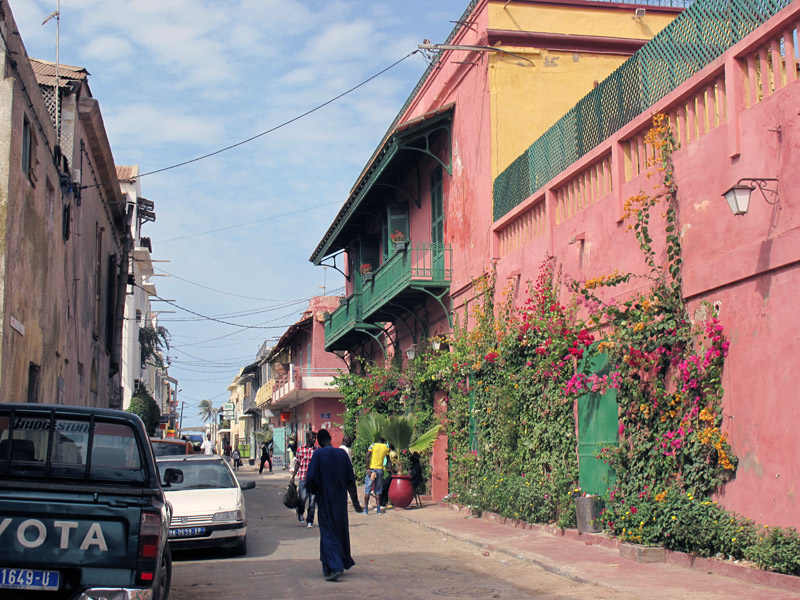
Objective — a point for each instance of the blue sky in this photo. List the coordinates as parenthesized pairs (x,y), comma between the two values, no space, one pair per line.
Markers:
(183,78)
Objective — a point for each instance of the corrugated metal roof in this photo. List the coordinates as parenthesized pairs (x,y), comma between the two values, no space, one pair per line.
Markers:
(46,73)
(127,172)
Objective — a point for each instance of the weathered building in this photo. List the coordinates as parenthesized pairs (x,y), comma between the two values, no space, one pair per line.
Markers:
(64,235)
(505,74)
(505,154)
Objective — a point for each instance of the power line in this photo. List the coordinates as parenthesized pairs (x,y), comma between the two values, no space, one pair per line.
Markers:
(191,235)
(205,317)
(263,133)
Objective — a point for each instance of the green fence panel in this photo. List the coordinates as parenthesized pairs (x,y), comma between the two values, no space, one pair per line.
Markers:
(701,33)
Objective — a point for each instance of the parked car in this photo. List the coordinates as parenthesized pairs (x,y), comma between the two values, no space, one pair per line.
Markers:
(197,441)
(171,447)
(83,511)
(208,509)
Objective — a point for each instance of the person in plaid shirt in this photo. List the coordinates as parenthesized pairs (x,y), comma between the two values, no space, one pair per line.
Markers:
(304,455)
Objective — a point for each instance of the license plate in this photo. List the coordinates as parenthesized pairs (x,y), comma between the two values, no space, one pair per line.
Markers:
(29,579)
(187,532)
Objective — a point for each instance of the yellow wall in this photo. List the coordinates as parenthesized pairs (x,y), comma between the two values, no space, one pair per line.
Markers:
(526,99)
(577,20)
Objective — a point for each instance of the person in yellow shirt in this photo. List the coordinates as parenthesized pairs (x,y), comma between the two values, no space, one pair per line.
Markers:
(373,483)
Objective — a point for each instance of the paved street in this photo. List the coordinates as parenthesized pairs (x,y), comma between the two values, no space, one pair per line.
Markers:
(394,559)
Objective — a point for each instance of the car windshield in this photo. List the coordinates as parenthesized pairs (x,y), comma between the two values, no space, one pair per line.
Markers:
(199,474)
(168,448)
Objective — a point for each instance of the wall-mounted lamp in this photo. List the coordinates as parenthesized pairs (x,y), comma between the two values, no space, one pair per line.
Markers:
(639,13)
(411,352)
(738,197)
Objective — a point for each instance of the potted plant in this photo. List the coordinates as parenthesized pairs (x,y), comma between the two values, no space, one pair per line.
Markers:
(366,271)
(399,431)
(438,342)
(399,240)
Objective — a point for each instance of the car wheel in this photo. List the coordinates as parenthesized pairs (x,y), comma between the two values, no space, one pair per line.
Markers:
(240,549)
(165,577)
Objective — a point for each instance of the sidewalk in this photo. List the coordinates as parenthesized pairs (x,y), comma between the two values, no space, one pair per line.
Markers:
(594,559)
(584,560)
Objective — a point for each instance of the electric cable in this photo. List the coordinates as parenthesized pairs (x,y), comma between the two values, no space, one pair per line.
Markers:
(263,133)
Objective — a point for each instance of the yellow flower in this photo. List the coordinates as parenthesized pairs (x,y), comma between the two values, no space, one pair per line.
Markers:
(674,517)
(733,539)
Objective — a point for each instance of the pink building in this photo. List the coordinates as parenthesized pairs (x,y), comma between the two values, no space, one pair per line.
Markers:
(302,372)
(442,178)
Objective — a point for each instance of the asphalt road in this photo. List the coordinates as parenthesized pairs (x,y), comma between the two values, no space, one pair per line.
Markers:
(395,559)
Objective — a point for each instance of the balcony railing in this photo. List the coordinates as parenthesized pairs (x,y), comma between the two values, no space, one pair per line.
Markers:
(304,378)
(423,265)
(343,319)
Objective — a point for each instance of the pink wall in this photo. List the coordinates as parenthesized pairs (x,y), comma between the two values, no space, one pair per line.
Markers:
(746,265)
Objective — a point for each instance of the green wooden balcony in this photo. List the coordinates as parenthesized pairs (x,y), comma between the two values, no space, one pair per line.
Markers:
(409,275)
(342,322)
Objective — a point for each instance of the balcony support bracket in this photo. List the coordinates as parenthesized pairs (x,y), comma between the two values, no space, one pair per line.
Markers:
(416,317)
(333,266)
(438,298)
(427,149)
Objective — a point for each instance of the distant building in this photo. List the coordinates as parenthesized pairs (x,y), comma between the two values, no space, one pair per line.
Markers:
(296,393)
(64,239)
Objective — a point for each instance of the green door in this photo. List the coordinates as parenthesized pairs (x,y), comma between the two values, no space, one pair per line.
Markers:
(437,225)
(598,427)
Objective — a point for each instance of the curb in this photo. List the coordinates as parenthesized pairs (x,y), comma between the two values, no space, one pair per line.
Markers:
(641,554)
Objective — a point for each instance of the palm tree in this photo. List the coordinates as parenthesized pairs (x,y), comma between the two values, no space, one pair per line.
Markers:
(207,410)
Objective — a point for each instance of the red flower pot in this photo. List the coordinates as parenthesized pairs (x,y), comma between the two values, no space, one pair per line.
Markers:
(401,492)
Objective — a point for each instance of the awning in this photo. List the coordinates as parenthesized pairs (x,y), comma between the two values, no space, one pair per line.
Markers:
(401,150)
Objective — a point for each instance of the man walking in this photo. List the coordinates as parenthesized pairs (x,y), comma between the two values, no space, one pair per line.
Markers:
(304,455)
(329,475)
(207,447)
(373,483)
(266,456)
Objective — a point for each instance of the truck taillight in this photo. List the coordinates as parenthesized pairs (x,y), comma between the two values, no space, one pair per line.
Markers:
(149,539)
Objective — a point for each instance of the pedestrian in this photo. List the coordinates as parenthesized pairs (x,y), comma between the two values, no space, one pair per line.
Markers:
(207,447)
(304,455)
(292,447)
(347,441)
(373,482)
(329,475)
(237,459)
(389,470)
(228,451)
(266,456)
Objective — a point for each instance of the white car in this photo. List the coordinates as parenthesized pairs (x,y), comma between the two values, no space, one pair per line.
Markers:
(208,506)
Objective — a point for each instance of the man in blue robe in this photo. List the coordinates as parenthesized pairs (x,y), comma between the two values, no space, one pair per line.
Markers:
(329,475)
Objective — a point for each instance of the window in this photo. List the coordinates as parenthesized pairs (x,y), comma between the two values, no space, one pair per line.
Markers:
(34,378)
(396,220)
(28,150)
(111,302)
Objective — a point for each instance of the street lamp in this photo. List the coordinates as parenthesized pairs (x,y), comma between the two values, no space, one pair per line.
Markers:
(738,197)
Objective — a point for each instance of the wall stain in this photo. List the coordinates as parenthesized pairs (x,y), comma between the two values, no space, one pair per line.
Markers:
(750,462)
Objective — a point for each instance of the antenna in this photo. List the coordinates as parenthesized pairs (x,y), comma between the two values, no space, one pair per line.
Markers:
(324,285)
(57,15)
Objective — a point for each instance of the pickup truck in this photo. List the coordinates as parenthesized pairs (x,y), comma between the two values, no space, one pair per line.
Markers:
(82,511)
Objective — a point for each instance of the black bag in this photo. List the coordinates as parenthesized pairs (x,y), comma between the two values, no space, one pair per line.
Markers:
(291,499)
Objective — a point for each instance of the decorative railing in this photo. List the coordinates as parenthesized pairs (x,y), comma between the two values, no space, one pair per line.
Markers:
(343,319)
(701,33)
(717,97)
(422,264)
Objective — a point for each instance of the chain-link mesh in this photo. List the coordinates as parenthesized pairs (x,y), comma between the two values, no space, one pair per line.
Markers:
(697,36)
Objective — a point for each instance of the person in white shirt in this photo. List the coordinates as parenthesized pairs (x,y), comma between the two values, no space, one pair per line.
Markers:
(207,447)
(347,441)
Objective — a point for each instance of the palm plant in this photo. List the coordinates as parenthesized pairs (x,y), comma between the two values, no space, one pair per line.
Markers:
(399,431)
(207,410)
(369,427)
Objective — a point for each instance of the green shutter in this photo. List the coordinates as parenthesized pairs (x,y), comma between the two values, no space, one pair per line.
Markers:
(437,224)
(396,220)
